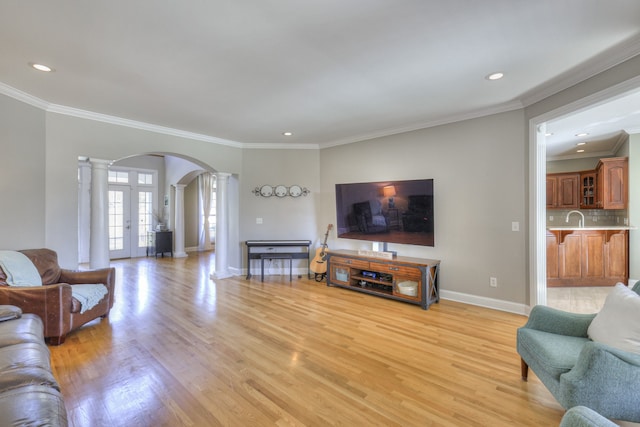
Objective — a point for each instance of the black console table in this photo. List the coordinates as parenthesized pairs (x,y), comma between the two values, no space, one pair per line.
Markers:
(159,243)
(256,249)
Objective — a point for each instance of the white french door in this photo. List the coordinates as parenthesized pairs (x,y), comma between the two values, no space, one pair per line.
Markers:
(119,221)
(132,205)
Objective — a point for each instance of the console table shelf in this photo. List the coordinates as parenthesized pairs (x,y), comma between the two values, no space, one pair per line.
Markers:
(412,280)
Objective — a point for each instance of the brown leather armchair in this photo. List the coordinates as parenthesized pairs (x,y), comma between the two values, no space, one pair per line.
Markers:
(53,302)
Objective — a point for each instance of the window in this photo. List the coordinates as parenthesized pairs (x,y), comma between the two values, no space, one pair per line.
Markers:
(116,220)
(145,215)
(120,177)
(212,212)
(145,178)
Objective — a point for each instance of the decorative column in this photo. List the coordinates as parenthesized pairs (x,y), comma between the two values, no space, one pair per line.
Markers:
(84,210)
(222,226)
(178,232)
(99,234)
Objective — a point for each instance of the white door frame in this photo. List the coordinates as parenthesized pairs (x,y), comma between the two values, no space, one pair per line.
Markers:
(537,179)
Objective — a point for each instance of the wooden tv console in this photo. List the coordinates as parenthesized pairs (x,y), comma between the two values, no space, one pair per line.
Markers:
(412,280)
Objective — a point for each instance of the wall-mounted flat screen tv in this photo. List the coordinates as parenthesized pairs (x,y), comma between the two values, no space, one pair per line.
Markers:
(387,211)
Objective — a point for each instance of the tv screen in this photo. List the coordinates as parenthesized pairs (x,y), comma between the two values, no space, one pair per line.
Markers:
(388,211)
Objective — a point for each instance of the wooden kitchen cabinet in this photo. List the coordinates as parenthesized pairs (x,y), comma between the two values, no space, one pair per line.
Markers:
(563,191)
(589,190)
(606,187)
(587,257)
(616,258)
(552,255)
(613,180)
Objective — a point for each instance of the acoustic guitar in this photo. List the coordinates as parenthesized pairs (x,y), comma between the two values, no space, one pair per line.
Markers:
(319,264)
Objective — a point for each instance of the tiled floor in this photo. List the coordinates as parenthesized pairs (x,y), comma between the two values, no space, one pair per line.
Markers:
(577,299)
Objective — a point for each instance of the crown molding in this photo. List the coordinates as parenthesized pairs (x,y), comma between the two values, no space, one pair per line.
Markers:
(496,109)
(14,93)
(119,121)
(622,139)
(105,118)
(596,65)
(633,130)
(279,146)
(598,154)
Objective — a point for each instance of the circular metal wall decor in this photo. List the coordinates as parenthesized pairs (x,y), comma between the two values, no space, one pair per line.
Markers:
(280,191)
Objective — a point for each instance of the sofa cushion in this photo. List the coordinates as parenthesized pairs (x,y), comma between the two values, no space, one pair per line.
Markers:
(9,312)
(25,354)
(33,405)
(19,270)
(27,328)
(618,323)
(558,353)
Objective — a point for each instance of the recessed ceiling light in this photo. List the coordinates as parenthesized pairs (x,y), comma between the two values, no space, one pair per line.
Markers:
(41,67)
(287,133)
(495,76)
(582,134)
(580,151)
(581,143)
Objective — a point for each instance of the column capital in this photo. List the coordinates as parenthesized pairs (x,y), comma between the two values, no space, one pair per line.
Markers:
(180,186)
(222,175)
(99,162)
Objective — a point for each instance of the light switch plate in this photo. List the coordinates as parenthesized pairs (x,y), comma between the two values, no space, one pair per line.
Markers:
(515,226)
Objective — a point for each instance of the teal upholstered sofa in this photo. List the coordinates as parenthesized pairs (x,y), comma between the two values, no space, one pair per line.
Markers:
(576,370)
(581,416)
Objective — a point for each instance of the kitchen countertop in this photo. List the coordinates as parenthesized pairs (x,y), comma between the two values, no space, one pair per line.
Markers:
(591,227)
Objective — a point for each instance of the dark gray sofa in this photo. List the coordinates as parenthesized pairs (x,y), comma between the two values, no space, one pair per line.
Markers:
(29,393)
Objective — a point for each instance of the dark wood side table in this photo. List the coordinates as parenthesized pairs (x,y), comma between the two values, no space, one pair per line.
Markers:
(159,243)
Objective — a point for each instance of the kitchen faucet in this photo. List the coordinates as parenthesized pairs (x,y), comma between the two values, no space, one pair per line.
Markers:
(580,222)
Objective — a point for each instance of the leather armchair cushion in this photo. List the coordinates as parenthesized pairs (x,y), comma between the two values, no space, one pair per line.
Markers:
(46,261)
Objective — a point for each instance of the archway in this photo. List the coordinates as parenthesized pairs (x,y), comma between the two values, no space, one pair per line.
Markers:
(150,179)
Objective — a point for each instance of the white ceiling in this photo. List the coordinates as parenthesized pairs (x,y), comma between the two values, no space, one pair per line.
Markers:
(330,71)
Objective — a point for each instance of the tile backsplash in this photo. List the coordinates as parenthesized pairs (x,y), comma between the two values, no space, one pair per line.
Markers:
(592,217)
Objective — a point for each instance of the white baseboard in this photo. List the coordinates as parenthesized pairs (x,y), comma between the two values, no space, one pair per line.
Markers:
(277,271)
(495,304)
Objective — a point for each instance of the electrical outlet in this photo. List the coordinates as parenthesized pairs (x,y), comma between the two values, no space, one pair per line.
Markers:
(493,282)
(515,226)
(550,217)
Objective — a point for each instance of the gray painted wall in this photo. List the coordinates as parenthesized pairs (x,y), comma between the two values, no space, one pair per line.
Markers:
(479,190)
(282,218)
(22,176)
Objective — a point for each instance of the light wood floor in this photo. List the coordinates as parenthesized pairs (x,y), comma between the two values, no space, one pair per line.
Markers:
(182,350)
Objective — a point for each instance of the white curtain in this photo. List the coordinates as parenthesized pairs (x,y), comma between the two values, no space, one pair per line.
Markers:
(205,185)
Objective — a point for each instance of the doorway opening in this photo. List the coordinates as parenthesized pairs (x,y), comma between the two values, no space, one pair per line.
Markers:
(537,183)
